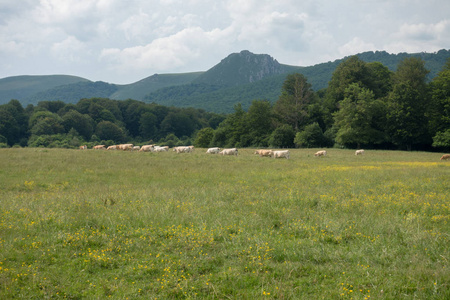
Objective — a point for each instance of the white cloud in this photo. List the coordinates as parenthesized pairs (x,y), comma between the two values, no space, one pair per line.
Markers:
(120,41)
(356,45)
(161,54)
(68,50)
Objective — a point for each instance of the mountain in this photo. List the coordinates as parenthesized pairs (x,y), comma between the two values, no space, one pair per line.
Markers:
(238,78)
(241,68)
(22,87)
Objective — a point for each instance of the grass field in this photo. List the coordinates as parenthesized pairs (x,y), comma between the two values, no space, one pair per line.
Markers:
(98,224)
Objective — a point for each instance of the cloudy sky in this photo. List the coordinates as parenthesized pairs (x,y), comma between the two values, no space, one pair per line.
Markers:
(123,41)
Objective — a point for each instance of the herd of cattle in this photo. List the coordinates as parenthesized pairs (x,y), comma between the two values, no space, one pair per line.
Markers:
(214,150)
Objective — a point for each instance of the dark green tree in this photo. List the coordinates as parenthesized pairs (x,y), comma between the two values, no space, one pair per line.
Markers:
(107,130)
(45,123)
(360,119)
(204,137)
(311,137)
(408,104)
(147,127)
(282,137)
(439,110)
(351,70)
(177,123)
(260,122)
(291,106)
(83,124)
(9,128)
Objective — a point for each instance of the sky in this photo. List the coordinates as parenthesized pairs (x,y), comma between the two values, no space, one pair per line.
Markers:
(123,41)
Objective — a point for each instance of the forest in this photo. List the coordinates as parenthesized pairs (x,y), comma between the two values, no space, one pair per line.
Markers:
(365,105)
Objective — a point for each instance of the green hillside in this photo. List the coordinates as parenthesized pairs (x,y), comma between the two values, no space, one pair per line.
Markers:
(217,98)
(140,89)
(22,87)
(72,93)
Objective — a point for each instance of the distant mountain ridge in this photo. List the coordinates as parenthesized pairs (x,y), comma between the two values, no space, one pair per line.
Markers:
(239,77)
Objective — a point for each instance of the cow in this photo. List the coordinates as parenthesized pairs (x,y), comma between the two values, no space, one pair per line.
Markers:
(281,154)
(159,149)
(182,149)
(136,148)
(113,147)
(214,150)
(146,148)
(126,147)
(262,153)
(445,157)
(83,147)
(230,151)
(359,152)
(320,153)
(99,147)
(192,148)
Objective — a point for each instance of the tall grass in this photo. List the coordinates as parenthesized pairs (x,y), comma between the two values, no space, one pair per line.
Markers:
(97,224)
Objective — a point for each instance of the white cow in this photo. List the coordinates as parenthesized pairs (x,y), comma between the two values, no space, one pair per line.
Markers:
(182,149)
(146,148)
(126,147)
(113,147)
(359,152)
(263,152)
(321,153)
(159,149)
(230,151)
(281,154)
(136,148)
(214,150)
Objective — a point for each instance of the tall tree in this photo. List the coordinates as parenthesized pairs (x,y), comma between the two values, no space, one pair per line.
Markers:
(360,119)
(260,122)
(83,124)
(351,70)
(408,104)
(440,99)
(291,106)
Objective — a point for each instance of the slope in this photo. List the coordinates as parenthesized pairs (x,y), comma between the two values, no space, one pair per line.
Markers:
(21,87)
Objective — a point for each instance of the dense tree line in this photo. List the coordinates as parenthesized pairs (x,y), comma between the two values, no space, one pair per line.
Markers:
(365,105)
(100,120)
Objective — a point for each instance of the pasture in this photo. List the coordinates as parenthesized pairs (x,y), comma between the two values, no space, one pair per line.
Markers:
(127,225)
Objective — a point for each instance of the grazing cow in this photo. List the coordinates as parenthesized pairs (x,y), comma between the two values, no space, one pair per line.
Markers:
(230,151)
(99,147)
(445,157)
(281,154)
(113,147)
(262,153)
(126,147)
(359,152)
(84,147)
(146,148)
(182,149)
(136,148)
(320,153)
(192,148)
(159,149)
(214,150)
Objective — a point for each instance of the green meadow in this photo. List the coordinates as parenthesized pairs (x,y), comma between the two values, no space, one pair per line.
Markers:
(98,224)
